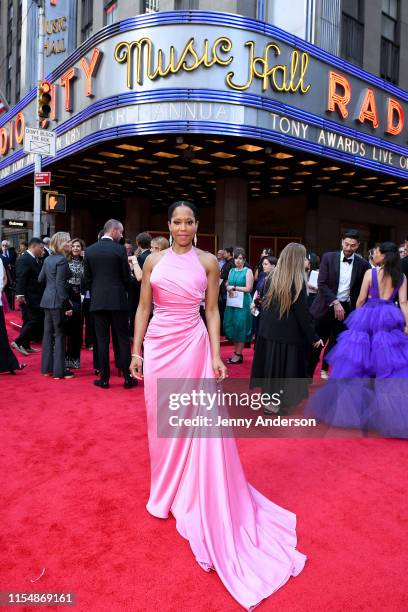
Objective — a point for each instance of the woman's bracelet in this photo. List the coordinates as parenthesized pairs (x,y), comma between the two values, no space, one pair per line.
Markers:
(140,357)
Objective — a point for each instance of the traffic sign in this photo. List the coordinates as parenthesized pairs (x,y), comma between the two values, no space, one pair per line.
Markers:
(55,202)
(41,142)
(42,179)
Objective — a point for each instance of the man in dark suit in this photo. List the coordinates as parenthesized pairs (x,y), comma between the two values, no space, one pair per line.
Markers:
(46,242)
(29,293)
(8,256)
(107,276)
(340,277)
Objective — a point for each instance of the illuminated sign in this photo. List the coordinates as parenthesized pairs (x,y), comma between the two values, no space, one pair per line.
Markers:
(17,224)
(55,27)
(279,77)
(251,81)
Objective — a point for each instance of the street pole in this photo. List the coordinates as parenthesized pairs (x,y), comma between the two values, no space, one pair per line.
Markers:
(40,77)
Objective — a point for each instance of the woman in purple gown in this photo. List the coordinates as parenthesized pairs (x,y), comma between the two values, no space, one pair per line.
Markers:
(368,383)
(231,527)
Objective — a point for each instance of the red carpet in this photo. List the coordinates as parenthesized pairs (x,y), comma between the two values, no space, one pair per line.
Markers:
(74,483)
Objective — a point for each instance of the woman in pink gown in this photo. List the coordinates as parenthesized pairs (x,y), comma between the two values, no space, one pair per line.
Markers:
(232,528)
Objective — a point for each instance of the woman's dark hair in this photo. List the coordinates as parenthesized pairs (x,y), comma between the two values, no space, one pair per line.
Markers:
(272,260)
(83,246)
(314,261)
(81,242)
(239,251)
(189,205)
(143,240)
(392,261)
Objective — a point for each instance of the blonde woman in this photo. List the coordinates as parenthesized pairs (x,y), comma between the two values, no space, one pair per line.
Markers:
(54,275)
(159,243)
(285,329)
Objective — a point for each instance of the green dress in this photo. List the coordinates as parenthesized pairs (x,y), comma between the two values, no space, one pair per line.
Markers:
(238,321)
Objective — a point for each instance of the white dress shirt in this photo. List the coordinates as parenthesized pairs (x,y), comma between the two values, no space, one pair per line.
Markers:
(343,292)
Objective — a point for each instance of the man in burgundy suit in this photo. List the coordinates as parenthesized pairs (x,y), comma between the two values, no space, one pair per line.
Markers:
(340,277)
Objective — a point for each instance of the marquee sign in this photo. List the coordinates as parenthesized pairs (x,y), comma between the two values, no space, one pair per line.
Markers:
(147,75)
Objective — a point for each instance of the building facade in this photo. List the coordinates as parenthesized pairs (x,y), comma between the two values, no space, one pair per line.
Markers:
(372,34)
(279,126)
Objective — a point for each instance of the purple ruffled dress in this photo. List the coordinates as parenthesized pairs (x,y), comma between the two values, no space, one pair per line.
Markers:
(368,384)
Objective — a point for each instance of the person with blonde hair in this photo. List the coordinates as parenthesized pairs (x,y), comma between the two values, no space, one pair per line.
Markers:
(54,276)
(285,331)
(159,243)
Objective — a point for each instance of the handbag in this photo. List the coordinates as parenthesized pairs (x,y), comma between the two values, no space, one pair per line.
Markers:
(237,300)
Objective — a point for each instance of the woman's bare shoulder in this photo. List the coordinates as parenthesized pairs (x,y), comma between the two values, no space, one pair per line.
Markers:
(153,259)
(208,260)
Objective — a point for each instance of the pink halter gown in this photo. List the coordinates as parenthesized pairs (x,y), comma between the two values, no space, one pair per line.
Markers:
(231,527)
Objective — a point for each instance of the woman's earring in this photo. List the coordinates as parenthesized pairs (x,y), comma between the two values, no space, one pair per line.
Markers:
(170,240)
(195,240)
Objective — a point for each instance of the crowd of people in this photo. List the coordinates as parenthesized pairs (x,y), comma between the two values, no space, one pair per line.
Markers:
(74,298)
(292,307)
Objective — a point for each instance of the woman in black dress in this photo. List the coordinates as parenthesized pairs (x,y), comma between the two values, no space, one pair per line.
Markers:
(285,330)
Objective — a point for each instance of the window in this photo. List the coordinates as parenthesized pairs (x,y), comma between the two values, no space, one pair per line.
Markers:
(389,68)
(390,20)
(185,5)
(352,31)
(354,8)
(8,84)
(86,19)
(260,10)
(150,6)
(110,12)
(390,7)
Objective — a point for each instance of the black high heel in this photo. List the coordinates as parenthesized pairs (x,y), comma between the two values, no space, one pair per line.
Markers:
(240,360)
(21,366)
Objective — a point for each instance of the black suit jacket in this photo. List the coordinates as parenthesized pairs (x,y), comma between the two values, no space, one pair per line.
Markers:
(11,259)
(27,272)
(106,275)
(225,270)
(404,266)
(9,264)
(328,283)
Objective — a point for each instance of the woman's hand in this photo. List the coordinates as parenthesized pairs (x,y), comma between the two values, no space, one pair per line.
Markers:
(219,368)
(68,313)
(318,344)
(136,368)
